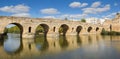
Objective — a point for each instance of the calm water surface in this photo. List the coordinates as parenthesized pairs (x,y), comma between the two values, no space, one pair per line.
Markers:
(62,47)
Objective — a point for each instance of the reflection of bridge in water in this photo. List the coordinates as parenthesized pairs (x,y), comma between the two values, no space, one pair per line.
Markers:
(54,45)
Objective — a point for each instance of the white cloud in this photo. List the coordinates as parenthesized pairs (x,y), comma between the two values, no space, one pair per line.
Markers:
(49,17)
(118,11)
(21,15)
(88,10)
(73,16)
(49,11)
(96,9)
(77,15)
(77,4)
(21,8)
(115,4)
(64,15)
(68,16)
(110,15)
(84,4)
(96,4)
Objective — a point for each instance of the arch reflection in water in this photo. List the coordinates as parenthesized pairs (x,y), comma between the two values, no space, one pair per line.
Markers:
(62,41)
(1,41)
(12,43)
(89,39)
(41,42)
(79,41)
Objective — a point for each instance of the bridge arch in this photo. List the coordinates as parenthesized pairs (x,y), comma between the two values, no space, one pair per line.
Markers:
(16,24)
(97,29)
(78,29)
(89,29)
(42,28)
(29,29)
(54,29)
(63,29)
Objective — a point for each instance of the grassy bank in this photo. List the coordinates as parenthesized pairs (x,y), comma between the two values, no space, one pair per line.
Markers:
(109,32)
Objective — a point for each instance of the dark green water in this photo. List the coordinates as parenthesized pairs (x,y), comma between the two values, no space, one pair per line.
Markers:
(62,47)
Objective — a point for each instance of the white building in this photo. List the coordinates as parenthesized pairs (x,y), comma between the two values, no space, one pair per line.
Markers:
(94,20)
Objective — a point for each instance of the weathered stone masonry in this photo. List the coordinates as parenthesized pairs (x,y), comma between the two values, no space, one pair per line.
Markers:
(29,25)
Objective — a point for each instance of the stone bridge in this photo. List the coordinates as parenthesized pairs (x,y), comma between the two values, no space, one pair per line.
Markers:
(51,26)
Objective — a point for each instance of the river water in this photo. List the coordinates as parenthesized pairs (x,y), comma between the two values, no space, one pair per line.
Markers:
(62,47)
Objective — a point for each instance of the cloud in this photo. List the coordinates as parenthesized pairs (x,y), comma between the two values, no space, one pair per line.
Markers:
(96,4)
(77,15)
(111,15)
(115,4)
(73,16)
(21,8)
(21,15)
(49,17)
(84,4)
(49,11)
(68,16)
(77,4)
(96,9)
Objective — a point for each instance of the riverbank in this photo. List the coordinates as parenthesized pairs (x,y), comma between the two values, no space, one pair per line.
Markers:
(110,33)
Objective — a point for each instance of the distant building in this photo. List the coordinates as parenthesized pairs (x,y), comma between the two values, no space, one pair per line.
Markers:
(93,20)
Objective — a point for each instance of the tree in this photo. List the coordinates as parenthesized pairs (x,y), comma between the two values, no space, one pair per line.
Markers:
(39,29)
(14,29)
(66,18)
(118,13)
(83,20)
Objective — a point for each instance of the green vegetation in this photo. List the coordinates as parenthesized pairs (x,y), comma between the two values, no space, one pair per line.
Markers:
(41,41)
(60,30)
(83,20)
(39,29)
(66,18)
(13,29)
(109,32)
(63,42)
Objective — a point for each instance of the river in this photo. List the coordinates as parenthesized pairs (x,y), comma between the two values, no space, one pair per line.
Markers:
(62,47)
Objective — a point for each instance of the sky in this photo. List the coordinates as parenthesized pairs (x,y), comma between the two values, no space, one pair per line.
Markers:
(71,9)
